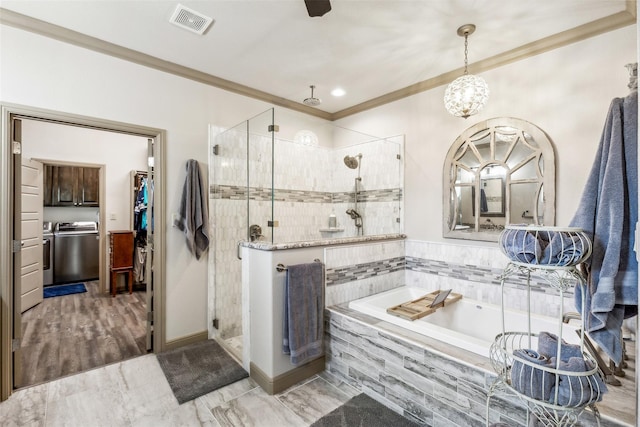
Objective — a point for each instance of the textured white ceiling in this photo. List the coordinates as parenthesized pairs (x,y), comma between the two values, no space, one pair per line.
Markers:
(369,48)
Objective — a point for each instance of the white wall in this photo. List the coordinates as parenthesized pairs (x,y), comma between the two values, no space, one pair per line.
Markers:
(119,153)
(565,92)
(44,73)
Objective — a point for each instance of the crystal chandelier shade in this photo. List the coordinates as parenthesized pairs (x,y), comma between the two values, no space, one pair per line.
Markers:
(468,94)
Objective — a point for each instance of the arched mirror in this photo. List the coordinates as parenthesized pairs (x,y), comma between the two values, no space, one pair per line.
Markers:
(498,172)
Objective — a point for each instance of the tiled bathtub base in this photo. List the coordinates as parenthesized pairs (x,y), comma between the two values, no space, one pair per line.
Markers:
(423,379)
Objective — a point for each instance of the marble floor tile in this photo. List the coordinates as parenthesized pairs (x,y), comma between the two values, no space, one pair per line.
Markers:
(146,391)
(26,407)
(234,345)
(135,393)
(341,385)
(227,393)
(104,379)
(89,408)
(256,409)
(313,399)
(189,414)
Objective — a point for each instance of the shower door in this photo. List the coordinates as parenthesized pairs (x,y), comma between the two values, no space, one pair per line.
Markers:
(260,175)
(240,165)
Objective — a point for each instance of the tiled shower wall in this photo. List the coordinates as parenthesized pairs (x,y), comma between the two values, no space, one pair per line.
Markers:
(310,182)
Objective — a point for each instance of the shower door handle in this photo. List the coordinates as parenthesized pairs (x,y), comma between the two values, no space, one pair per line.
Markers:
(238,250)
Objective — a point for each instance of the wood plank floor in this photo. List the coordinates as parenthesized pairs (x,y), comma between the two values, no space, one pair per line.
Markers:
(74,333)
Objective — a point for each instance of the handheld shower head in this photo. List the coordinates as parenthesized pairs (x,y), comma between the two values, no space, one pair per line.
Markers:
(353,214)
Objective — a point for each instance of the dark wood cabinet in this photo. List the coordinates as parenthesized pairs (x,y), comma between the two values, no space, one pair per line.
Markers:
(47,194)
(71,186)
(121,257)
(65,186)
(89,186)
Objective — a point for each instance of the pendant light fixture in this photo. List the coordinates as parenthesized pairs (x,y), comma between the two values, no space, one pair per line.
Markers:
(466,95)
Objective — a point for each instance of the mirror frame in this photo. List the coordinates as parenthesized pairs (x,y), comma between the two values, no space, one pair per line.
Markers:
(547,153)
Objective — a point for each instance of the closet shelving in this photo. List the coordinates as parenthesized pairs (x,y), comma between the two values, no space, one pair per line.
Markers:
(553,391)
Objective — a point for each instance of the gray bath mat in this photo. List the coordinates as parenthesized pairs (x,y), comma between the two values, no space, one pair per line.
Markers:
(200,368)
(363,411)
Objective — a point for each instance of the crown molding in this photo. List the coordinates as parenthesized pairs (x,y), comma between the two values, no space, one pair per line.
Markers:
(555,41)
(574,35)
(27,23)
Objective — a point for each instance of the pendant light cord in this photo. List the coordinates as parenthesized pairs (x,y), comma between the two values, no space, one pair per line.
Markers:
(466,51)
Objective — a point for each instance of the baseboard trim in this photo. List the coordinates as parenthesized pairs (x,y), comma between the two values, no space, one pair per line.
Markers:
(186,340)
(286,380)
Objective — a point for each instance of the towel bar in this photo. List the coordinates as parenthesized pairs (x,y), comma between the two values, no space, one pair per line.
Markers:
(281,267)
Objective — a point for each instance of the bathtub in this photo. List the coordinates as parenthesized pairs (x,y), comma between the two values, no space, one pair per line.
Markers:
(468,324)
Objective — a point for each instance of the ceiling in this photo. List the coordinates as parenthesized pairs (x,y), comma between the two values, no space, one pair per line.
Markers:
(377,51)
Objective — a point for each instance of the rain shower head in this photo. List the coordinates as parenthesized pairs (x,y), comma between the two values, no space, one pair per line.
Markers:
(312,101)
(352,161)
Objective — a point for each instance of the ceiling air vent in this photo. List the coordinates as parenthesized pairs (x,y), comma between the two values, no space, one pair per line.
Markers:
(190,20)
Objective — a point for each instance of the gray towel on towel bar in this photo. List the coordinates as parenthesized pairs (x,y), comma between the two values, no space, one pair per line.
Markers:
(303,312)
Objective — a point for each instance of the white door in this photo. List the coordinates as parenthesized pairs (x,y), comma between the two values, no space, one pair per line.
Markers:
(31,235)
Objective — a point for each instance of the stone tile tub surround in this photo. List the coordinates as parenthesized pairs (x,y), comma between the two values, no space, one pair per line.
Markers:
(426,380)
(358,268)
(470,270)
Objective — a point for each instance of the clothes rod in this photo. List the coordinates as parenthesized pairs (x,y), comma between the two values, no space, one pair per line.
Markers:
(281,267)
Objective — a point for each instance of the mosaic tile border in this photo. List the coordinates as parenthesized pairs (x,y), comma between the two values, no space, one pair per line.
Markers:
(340,275)
(474,273)
(383,195)
(235,192)
(471,273)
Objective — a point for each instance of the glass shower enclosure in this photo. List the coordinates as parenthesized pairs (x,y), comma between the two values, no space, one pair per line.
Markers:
(277,181)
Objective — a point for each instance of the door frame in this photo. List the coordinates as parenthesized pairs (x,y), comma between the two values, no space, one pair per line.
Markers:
(7,306)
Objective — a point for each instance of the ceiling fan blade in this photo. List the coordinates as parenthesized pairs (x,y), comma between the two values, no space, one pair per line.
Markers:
(317,7)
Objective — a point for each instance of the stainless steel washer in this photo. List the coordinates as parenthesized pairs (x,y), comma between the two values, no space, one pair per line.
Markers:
(76,252)
(47,253)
